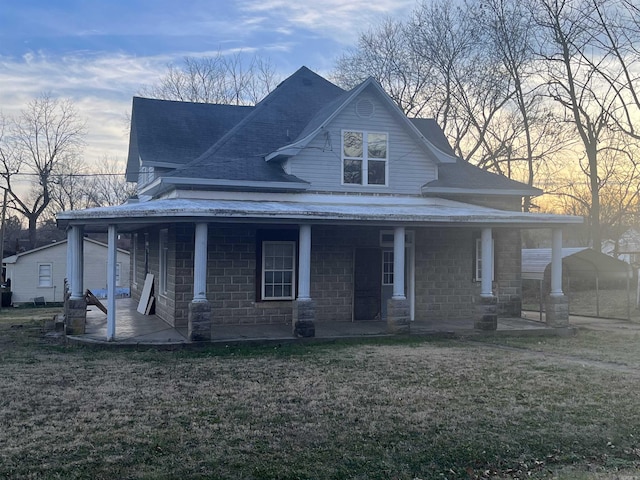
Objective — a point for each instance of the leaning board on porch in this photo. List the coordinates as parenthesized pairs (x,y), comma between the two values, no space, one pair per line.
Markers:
(146,297)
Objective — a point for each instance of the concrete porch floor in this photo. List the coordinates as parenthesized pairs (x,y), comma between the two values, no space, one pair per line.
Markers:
(133,328)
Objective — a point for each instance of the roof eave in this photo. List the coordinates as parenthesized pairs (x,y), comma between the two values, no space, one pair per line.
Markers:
(164,184)
(513,192)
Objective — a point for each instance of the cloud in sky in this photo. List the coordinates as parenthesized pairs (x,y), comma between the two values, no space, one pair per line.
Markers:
(100,54)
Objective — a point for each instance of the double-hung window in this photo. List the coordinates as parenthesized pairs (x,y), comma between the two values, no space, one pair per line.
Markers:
(364,158)
(278,270)
(45,275)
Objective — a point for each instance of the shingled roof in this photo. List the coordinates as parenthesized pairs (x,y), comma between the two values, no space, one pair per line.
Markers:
(461,176)
(229,143)
(170,133)
(280,117)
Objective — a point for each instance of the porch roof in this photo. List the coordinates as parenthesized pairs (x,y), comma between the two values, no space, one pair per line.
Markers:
(311,208)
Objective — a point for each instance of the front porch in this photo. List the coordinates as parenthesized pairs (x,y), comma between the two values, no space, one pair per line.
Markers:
(135,329)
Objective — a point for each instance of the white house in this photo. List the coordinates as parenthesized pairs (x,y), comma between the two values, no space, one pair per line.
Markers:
(41,272)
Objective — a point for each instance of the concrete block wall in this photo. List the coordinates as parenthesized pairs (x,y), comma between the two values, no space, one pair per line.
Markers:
(444,274)
(445,288)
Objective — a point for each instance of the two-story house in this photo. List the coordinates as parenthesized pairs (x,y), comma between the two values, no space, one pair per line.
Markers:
(317,204)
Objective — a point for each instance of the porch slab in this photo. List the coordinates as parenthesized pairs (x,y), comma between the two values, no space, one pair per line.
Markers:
(135,329)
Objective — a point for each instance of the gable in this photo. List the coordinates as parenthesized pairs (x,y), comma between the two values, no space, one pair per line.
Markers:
(410,165)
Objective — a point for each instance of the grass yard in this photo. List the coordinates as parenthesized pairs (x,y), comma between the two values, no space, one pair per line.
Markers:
(565,408)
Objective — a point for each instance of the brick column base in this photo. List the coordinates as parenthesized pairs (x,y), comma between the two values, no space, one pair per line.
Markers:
(303,321)
(199,322)
(557,311)
(75,312)
(486,313)
(398,316)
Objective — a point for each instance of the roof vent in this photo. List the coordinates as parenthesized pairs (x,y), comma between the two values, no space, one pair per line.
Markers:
(365,108)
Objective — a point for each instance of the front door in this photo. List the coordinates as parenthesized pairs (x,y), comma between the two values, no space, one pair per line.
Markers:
(367,283)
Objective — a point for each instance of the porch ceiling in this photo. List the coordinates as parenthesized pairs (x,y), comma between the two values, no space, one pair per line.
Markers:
(379,210)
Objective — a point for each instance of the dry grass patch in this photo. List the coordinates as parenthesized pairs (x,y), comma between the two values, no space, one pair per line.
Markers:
(400,410)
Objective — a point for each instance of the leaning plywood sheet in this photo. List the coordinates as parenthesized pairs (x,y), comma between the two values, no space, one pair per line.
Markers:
(145,297)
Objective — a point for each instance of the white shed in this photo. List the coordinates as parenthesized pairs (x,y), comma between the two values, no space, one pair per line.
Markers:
(41,272)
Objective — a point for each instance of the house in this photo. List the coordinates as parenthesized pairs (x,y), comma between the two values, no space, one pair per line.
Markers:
(40,273)
(625,248)
(317,204)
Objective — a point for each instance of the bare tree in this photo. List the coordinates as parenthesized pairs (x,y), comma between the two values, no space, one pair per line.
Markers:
(224,79)
(36,145)
(566,40)
(107,186)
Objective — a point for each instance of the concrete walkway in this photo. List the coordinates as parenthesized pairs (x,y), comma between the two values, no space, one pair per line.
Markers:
(133,328)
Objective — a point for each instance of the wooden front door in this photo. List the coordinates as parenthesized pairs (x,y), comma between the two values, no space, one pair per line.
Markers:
(367,284)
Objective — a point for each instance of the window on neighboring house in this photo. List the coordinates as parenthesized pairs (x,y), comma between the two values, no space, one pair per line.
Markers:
(278,270)
(364,158)
(118,274)
(478,260)
(164,255)
(45,275)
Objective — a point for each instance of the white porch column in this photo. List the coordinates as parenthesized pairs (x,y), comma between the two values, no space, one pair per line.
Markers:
(304,263)
(69,272)
(487,263)
(112,259)
(200,264)
(398,264)
(556,263)
(77,287)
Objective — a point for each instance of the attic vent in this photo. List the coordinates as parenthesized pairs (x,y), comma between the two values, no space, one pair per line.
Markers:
(365,108)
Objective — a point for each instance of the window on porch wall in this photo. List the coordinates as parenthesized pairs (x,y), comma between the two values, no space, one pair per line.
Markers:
(164,255)
(278,270)
(478,260)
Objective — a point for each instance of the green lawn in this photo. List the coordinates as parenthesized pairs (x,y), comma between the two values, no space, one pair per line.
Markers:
(566,408)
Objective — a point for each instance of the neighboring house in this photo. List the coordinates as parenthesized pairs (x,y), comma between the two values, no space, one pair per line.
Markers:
(627,248)
(40,273)
(318,204)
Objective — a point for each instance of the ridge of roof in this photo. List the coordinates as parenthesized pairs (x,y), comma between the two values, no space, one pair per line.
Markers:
(324,116)
(281,114)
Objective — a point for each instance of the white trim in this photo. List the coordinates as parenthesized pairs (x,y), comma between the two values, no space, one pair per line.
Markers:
(163,261)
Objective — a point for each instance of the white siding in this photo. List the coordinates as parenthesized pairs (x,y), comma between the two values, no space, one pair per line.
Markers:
(24,273)
(321,162)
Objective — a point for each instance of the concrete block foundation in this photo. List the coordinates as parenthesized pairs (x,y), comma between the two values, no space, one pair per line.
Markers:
(557,311)
(199,322)
(486,315)
(398,316)
(75,316)
(303,322)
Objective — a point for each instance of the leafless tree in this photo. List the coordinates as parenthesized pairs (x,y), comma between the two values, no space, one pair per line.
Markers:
(566,36)
(47,135)
(224,79)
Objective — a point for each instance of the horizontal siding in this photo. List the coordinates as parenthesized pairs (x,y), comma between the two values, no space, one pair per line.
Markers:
(24,273)
(321,162)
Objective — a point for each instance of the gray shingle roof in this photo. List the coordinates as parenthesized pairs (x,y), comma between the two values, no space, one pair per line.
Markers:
(227,142)
(462,175)
(164,131)
(279,118)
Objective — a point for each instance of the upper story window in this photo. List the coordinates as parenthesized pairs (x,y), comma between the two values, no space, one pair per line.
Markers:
(364,157)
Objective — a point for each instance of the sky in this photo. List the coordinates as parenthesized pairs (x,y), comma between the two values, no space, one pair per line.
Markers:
(99,53)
